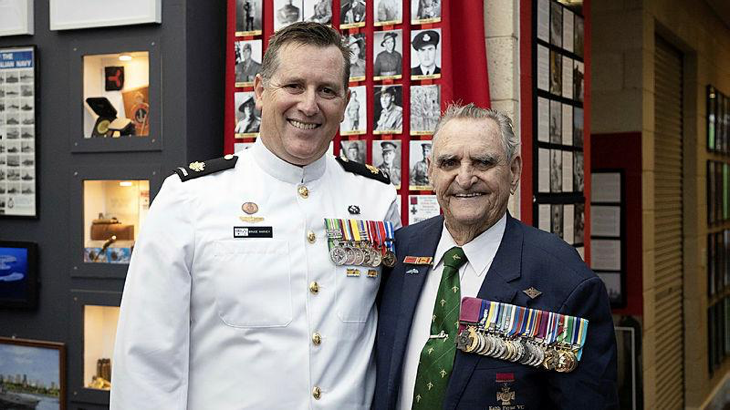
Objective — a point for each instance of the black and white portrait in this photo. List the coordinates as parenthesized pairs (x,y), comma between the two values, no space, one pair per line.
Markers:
(248,118)
(578,82)
(387,158)
(388,12)
(425,11)
(578,173)
(388,54)
(356,44)
(578,36)
(354,150)
(556,171)
(556,219)
(287,12)
(556,122)
(556,24)
(578,223)
(248,61)
(426,54)
(556,73)
(578,127)
(425,108)
(352,13)
(318,11)
(418,176)
(356,112)
(388,109)
(248,17)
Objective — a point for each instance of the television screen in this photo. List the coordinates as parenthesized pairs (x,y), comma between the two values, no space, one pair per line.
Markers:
(17,274)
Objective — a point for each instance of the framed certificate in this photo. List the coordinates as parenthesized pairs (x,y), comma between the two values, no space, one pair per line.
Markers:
(74,14)
(16,17)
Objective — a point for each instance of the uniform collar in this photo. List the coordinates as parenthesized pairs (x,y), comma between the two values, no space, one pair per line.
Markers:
(284,171)
(480,251)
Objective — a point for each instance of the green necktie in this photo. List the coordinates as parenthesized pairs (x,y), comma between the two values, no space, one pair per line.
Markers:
(437,356)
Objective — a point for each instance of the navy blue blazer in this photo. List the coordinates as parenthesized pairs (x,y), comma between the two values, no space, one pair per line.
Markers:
(526,258)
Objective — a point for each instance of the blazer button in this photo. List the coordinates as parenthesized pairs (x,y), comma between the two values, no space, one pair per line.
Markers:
(311,237)
(316,392)
(317,339)
(303,191)
(314,288)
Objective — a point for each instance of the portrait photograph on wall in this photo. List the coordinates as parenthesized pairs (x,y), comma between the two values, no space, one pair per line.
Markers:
(419,151)
(248,61)
(425,109)
(248,118)
(356,44)
(387,55)
(425,11)
(32,374)
(318,11)
(426,54)
(388,12)
(353,150)
(388,109)
(355,122)
(248,17)
(387,158)
(352,13)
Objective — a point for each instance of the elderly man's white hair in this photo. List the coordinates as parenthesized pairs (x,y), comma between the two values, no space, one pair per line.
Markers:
(471,111)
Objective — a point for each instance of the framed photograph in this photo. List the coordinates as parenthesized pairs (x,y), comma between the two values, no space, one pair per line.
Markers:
(556,219)
(578,173)
(426,54)
(418,176)
(606,220)
(543,68)
(18,133)
(16,17)
(32,374)
(556,171)
(318,11)
(248,117)
(567,127)
(579,218)
(388,109)
(73,14)
(248,17)
(425,11)
(567,171)
(543,217)
(388,55)
(248,61)
(543,119)
(543,20)
(578,81)
(352,13)
(606,254)
(388,12)
(556,122)
(543,173)
(425,108)
(355,122)
(578,127)
(578,36)
(387,158)
(556,73)
(568,30)
(287,12)
(556,24)
(422,207)
(354,150)
(567,77)
(357,45)
(18,274)
(568,219)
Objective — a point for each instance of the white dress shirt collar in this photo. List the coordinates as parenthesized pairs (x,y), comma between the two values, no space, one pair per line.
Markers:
(284,171)
(479,251)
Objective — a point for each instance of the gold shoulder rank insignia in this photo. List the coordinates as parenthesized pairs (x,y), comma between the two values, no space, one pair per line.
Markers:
(372,169)
(197,166)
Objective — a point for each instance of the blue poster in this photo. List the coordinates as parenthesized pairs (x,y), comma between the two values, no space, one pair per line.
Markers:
(13,273)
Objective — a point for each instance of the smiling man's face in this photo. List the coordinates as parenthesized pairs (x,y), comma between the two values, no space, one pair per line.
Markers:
(471,174)
(303,103)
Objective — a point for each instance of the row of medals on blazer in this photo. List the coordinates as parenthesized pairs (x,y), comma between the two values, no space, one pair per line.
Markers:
(361,254)
(560,358)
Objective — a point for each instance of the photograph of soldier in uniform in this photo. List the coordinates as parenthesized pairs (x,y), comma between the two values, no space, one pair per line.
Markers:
(578,127)
(556,122)
(248,118)
(426,58)
(248,17)
(388,111)
(578,174)
(248,61)
(388,55)
(556,24)
(388,12)
(386,157)
(419,151)
(352,13)
(425,108)
(287,12)
(556,219)
(356,113)
(425,11)
(578,222)
(556,73)
(353,150)
(356,44)
(318,11)
(578,74)
(556,171)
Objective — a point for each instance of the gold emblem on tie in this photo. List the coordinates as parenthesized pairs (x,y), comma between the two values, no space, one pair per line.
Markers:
(430,350)
(418,398)
(429,385)
(455,289)
(443,302)
(456,257)
(197,166)
(442,373)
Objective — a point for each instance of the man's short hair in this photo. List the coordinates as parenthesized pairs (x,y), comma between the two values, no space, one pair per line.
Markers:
(471,111)
(308,34)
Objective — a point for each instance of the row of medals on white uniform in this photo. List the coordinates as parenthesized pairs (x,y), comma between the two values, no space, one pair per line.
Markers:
(360,243)
(527,336)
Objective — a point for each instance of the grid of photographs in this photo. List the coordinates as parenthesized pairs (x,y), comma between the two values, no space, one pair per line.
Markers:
(18,183)
(558,149)
(395,76)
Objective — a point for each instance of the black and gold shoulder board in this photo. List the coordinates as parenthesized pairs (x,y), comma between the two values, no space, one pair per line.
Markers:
(367,171)
(202,168)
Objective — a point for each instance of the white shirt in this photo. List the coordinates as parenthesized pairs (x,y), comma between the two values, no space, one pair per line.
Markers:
(210,321)
(480,254)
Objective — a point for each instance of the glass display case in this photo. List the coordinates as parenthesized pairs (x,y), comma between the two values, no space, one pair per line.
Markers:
(114,210)
(100,331)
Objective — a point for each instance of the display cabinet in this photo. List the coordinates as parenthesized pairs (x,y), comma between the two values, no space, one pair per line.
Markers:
(109,208)
(115,96)
(94,317)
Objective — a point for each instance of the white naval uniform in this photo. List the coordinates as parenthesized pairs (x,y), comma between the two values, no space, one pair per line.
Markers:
(209,321)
